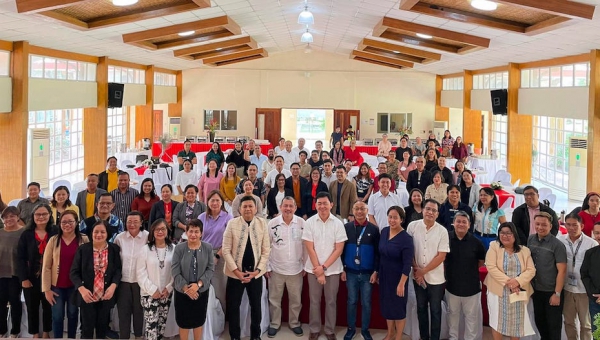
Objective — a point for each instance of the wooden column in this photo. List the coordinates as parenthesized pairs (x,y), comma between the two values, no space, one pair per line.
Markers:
(144,119)
(95,124)
(13,128)
(175,109)
(441,113)
(520,135)
(593,146)
(471,118)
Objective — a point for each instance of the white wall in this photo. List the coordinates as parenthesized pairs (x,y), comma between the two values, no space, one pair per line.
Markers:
(5,94)
(165,94)
(298,80)
(452,98)
(565,102)
(52,94)
(455,122)
(134,94)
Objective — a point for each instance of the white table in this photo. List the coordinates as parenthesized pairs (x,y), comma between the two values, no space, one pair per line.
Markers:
(491,166)
(130,156)
(161,176)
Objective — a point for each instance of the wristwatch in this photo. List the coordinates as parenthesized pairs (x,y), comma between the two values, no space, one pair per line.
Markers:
(557,294)
(324,268)
(217,256)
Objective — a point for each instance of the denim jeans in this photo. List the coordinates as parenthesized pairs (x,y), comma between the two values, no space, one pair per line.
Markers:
(429,302)
(594,311)
(359,283)
(58,313)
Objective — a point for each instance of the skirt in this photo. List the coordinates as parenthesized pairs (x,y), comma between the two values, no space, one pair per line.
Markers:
(524,324)
(190,313)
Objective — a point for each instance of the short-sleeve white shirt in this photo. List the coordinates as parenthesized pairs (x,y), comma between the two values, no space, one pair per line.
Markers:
(379,205)
(586,243)
(427,244)
(287,250)
(270,180)
(324,235)
(267,166)
(296,150)
(185,178)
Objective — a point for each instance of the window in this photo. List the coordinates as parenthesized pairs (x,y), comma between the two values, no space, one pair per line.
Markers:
(116,131)
(490,81)
(394,122)
(556,76)
(62,69)
(499,136)
(124,75)
(225,119)
(164,79)
(66,143)
(455,84)
(4,63)
(550,153)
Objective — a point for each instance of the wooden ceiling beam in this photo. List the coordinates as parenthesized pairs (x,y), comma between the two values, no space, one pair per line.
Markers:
(241,60)
(213,46)
(220,52)
(33,6)
(142,15)
(383,59)
(569,9)
(469,17)
(202,3)
(549,25)
(193,39)
(435,32)
(402,49)
(236,55)
(401,56)
(408,5)
(67,20)
(174,29)
(376,62)
(418,42)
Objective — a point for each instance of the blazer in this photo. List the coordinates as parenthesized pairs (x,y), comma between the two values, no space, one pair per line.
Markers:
(473,195)
(158,211)
(412,180)
(82,270)
(272,208)
(308,198)
(29,259)
(234,244)
(496,278)
(348,197)
(103,179)
(182,261)
(80,202)
(179,215)
(520,218)
(300,211)
(51,261)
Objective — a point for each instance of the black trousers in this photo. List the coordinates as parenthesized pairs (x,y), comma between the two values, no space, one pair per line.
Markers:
(33,298)
(548,319)
(234,293)
(10,292)
(129,305)
(95,316)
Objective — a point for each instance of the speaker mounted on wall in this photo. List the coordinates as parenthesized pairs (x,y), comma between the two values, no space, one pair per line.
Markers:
(115,95)
(499,102)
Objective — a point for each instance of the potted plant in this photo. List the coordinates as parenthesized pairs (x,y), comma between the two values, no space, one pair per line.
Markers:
(496,185)
(212,126)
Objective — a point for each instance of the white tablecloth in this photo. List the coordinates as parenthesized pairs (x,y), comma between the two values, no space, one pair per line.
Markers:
(491,166)
(161,176)
(130,156)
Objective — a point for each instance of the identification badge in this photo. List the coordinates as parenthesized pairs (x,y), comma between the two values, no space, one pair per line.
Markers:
(571,280)
(357,260)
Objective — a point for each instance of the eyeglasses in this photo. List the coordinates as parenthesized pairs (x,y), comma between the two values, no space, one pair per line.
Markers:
(161,230)
(67,222)
(507,234)
(104,204)
(41,215)
(431,210)
(529,194)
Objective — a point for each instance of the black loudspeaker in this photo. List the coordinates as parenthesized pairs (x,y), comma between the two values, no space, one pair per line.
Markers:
(115,95)
(499,102)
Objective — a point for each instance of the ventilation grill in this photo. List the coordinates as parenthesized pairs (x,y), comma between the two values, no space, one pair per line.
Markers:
(579,143)
(40,133)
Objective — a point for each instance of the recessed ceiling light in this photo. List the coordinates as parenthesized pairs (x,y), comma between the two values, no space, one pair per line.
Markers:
(185,34)
(424,36)
(484,5)
(124,2)
(218,49)
(396,51)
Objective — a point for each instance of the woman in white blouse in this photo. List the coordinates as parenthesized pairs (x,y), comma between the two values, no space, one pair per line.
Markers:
(155,279)
(185,177)
(437,190)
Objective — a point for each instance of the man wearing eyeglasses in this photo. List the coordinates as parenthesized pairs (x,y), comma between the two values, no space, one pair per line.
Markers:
(523,216)
(463,287)
(431,245)
(104,206)
(419,178)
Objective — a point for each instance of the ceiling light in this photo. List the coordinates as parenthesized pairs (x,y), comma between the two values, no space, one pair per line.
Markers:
(396,51)
(424,36)
(124,2)
(185,34)
(307,37)
(218,49)
(306,17)
(484,5)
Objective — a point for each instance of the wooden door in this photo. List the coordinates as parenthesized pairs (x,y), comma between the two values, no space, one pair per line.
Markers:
(268,125)
(344,118)
(158,124)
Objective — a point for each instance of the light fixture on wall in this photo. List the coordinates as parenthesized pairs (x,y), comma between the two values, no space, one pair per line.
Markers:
(484,5)
(124,2)
(185,34)
(306,17)
(307,37)
(424,36)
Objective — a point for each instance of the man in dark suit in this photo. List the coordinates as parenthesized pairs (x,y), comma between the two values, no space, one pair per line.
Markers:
(524,214)
(419,178)
(298,185)
(89,197)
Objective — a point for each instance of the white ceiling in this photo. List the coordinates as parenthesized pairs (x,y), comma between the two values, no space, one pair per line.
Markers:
(339,26)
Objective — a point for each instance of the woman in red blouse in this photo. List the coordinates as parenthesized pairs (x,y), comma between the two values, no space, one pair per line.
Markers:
(145,200)
(589,212)
(315,186)
(459,150)
(352,154)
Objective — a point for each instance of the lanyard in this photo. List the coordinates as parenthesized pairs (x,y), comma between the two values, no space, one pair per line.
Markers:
(359,239)
(576,250)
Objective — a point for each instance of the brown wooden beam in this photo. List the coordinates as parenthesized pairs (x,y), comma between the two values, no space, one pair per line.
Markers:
(194,39)
(418,41)
(224,51)
(371,61)
(6,45)
(389,54)
(573,59)
(175,29)
(32,6)
(166,70)
(95,123)
(241,60)
(495,69)
(520,130)
(383,59)
(67,20)
(213,46)
(549,25)
(126,64)
(407,5)
(402,49)
(233,56)
(593,145)
(562,8)
(142,15)
(202,3)
(49,52)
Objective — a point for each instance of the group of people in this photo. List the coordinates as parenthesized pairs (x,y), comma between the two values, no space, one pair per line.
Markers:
(118,247)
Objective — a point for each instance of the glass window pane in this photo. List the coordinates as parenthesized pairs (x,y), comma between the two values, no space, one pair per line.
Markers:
(61,69)
(581,74)
(567,76)
(535,78)
(545,77)
(49,68)
(492,81)
(72,70)
(505,80)
(4,63)
(555,73)
(91,72)
(111,74)
(486,81)
(498,80)
(81,71)
(37,67)
(525,78)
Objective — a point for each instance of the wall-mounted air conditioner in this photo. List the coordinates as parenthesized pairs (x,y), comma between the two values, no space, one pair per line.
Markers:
(577,168)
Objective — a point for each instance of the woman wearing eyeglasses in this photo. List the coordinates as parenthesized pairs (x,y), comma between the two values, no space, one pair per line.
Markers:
(487,217)
(56,283)
(510,271)
(10,285)
(32,245)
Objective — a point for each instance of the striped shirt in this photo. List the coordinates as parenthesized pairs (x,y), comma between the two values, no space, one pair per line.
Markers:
(123,202)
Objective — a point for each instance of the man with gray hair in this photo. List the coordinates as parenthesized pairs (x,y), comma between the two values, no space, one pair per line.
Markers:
(296,150)
(463,289)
